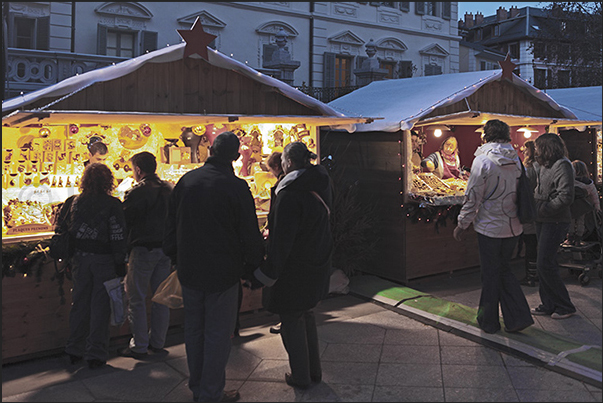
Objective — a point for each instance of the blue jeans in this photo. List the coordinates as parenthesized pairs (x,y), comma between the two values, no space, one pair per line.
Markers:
(90,313)
(553,294)
(146,268)
(209,322)
(500,286)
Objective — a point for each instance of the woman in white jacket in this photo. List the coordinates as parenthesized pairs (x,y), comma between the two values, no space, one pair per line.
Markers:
(491,206)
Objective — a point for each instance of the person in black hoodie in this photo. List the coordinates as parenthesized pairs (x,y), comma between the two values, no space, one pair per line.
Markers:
(97,225)
(145,208)
(213,237)
(298,259)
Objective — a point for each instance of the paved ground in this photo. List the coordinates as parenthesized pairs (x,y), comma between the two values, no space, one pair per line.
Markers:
(371,352)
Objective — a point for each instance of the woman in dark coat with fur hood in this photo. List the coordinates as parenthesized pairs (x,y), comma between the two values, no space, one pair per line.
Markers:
(298,259)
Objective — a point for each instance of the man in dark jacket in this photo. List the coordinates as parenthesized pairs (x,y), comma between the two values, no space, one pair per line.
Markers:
(298,259)
(145,209)
(213,237)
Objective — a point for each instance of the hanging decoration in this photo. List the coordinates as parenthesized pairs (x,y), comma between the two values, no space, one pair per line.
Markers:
(423,212)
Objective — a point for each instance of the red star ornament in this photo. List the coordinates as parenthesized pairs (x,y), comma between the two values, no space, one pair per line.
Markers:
(196,40)
(507,67)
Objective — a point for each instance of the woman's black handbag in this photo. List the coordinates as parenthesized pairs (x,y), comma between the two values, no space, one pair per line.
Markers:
(60,247)
(526,206)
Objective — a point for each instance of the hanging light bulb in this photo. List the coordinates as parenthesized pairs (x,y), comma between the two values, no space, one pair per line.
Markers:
(527,132)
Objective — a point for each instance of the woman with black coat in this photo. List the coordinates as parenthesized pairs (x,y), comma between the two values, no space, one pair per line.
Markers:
(298,259)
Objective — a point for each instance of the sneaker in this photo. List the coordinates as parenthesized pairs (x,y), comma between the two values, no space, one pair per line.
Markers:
(230,396)
(127,352)
(276,329)
(540,311)
(556,315)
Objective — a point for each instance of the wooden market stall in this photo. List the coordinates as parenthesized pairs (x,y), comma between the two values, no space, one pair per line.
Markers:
(414,211)
(167,102)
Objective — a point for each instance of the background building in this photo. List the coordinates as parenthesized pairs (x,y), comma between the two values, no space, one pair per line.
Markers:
(315,45)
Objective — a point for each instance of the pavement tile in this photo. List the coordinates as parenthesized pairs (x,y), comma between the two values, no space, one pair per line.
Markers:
(241,364)
(349,373)
(395,353)
(118,385)
(450,339)
(470,355)
(542,395)
(542,378)
(480,395)
(476,376)
(423,336)
(408,394)
(324,392)
(74,391)
(390,320)
(351,353)
(427,375)
(262,391)
(351,332)
(270,370)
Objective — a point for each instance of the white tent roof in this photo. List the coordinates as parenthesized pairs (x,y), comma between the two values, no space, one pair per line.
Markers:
(168,54)
(585,102)
(403,102)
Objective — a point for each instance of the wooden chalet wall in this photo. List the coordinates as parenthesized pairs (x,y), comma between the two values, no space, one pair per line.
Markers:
(405,250)
(183,86)
(500,97)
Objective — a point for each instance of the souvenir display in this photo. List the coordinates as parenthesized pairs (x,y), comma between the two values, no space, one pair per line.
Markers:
(43,166)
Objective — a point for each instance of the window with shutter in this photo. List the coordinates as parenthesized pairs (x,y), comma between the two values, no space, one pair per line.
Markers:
(419,7)
(24,33)
(148,41)
(433,70)
(267,53)
(101,40)
(43,33)
(405,69)
(328,75)
(446,10)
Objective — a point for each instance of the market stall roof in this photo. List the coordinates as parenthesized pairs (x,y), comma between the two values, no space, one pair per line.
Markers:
(56,93)
(407,102)
(51,117)
(585,102)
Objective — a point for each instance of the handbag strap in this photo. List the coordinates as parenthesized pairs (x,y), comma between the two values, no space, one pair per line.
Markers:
(322,201)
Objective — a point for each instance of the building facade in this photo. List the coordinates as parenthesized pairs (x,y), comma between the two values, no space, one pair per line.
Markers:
(317,46)
(513,31)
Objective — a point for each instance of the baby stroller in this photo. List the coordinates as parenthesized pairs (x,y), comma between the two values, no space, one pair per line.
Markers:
(584,258)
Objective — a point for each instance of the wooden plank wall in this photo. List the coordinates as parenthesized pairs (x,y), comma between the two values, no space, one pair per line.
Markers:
(183,86)
(431,251)
(501,97)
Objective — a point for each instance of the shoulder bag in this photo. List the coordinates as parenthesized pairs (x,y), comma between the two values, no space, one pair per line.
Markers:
(526,206)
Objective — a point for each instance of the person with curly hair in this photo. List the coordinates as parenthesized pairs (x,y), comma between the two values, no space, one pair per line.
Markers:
(554,194)
(96,223)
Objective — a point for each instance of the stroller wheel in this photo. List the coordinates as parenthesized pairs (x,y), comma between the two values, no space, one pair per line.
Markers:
(584,279)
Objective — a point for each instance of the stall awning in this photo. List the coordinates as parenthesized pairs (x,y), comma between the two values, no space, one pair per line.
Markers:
(25,118)
(480,118)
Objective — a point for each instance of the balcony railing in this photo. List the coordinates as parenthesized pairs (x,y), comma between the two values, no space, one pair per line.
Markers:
(29,70)
(327,94)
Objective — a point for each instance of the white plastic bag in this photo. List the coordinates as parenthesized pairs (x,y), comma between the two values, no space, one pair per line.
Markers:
(118,299)
(169,292)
